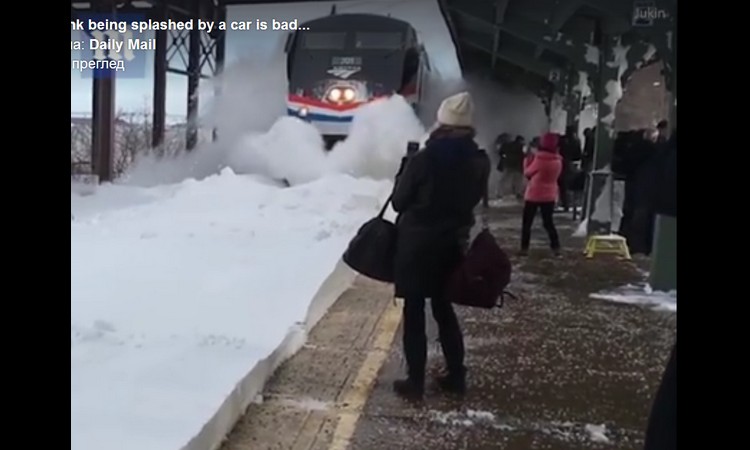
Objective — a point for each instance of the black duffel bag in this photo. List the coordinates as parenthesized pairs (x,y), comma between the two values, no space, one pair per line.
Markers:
(372,252)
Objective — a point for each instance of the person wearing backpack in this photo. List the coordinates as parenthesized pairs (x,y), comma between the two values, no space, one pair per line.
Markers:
(542,168)
(435,196)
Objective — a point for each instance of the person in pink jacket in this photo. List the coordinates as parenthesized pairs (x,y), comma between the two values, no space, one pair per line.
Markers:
(542,169)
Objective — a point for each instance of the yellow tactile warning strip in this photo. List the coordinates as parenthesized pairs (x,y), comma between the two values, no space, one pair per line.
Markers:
(331,377)
(356,396)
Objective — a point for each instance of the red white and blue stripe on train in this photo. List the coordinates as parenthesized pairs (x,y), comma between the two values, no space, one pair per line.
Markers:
(336,118)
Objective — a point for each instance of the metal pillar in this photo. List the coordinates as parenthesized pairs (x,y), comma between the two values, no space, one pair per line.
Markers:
(220,37)
(194,74)
(663,276)
(572,100)
(160,80)
(599,196)
(103,112)
(673,80)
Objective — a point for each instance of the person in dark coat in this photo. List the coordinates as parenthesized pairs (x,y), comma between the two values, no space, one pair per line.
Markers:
(662,130)
(661,431)
(631,150)
(435,196)
(587,161)
(500,140)
(666,201)
(571,152)
(640,229)
(512,181)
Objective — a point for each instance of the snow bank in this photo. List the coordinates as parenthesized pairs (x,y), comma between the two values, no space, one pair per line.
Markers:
(640,294)
(178,291)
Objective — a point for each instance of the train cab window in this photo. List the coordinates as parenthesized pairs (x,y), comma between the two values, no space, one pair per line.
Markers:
(379,41)
(411,66)
(314,40)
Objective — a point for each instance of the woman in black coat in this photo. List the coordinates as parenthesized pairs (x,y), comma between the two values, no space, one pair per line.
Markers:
(661,433)
(435,196)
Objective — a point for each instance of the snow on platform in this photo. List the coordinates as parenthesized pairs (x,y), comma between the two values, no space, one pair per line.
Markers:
(640,294)
(178,291)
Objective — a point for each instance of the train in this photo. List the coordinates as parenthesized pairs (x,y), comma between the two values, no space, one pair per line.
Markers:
(338,63)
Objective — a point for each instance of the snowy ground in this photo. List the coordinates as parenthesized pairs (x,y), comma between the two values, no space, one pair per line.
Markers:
(486,419)
(641,294)
(177,291)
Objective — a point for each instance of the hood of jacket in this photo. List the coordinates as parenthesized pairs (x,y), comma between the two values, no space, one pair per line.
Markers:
(549,143)
(546,155)
(452,147)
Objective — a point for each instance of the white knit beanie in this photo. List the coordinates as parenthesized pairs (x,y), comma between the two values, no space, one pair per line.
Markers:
(456,110)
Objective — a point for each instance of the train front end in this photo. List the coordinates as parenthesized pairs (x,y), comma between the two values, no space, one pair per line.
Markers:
(343,62)
(330,103)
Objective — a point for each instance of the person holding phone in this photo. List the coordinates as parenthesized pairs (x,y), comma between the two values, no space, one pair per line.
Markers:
(435,195)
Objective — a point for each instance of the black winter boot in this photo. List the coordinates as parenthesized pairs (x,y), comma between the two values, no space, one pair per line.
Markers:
(453,382)
(409,389)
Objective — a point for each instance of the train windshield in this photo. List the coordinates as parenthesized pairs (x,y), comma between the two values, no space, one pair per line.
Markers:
(323,41)
(338,51)
(379,41)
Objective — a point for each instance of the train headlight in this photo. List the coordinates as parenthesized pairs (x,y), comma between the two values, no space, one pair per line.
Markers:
(303,112)
(335,95)
(349,94)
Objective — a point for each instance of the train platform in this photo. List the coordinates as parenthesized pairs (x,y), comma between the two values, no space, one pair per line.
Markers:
(554,370)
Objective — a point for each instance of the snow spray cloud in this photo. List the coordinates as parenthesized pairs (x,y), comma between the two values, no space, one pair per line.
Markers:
(498,108)
(377,140)
(502,109)
(293,149)
(251,100)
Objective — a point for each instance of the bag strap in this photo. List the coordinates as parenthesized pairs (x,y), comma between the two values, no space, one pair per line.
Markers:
(385,206)
(501,300)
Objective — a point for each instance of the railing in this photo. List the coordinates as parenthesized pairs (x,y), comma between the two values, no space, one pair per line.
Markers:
(132,139)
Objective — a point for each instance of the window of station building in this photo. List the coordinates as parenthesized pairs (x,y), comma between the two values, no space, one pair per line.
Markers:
(323,41)
(379,40)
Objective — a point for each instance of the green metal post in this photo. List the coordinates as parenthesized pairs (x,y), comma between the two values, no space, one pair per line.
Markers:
(664,256)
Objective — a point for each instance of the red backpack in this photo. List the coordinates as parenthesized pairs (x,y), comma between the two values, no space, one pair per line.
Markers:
(481,278)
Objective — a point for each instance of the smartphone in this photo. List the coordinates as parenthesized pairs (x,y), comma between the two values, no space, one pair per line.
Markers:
(412,148)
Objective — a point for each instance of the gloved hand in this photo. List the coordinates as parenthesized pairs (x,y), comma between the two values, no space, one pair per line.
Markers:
(401,168)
